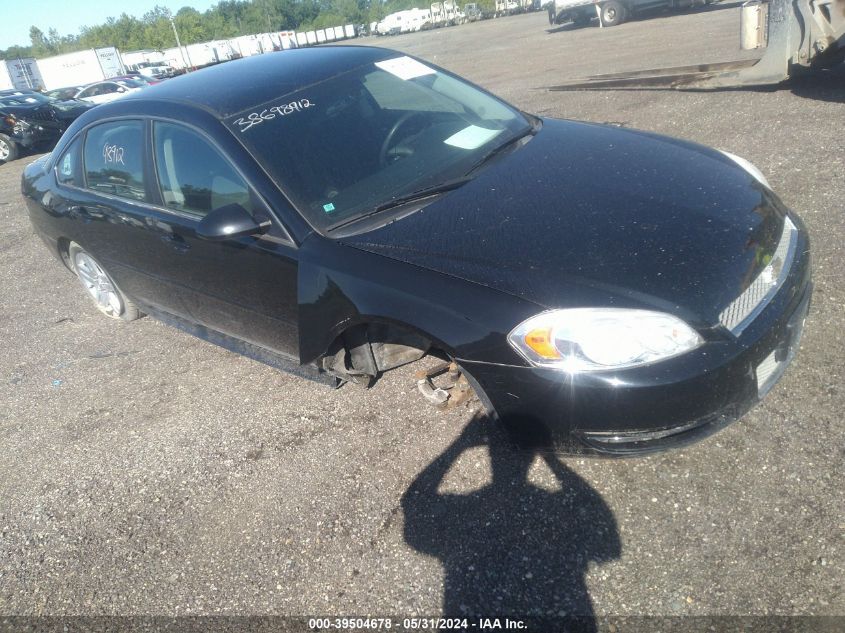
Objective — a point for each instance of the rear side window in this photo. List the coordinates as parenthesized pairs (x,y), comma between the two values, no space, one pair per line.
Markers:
(114,159)
(193,175)
(69,167)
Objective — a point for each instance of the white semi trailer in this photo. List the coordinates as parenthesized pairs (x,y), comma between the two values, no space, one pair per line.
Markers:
(83,67)
(20,73)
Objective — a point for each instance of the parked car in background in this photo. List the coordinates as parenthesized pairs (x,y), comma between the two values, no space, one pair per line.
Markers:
(135,77)
(105,91)
(140,78)
(31,121)
(19,134)
(420,215)
(63,94)
(65,110)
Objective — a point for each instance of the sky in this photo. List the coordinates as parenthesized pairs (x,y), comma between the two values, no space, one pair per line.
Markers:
(67,16)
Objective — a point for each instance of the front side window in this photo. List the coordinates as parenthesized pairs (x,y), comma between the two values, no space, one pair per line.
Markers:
(114,159)
(193,176)
(344,146)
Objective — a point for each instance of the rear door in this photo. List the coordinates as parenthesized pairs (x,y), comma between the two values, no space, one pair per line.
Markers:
(133,191)
(111,204)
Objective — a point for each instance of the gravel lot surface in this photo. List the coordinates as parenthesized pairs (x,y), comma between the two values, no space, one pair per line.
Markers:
(143,471)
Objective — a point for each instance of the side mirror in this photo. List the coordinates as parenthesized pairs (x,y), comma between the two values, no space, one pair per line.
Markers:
(121,89)
(229,222)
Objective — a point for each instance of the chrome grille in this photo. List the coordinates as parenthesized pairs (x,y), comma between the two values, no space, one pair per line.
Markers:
(745,307)
(41,114)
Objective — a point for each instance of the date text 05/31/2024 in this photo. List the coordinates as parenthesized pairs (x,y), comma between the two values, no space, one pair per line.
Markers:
(408,624)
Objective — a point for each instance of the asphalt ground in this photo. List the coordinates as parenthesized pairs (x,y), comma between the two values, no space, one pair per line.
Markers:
(143,471)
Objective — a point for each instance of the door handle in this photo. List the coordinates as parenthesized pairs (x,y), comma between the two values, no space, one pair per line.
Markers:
(177,242)
(78,212)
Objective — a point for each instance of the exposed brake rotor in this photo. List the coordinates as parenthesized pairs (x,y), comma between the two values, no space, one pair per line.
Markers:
(444,385)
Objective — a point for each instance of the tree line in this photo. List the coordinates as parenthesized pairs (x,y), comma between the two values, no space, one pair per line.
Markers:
(227,19)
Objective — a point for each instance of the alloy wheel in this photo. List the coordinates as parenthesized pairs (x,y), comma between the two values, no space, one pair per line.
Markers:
(98,284)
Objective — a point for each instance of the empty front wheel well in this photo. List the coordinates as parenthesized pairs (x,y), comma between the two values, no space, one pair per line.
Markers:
(362,352)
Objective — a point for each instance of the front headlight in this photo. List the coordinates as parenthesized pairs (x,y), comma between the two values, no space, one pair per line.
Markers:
(595,339)
(749,167)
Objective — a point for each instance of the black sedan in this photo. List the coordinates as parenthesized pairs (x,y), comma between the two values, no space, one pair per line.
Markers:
(342,211)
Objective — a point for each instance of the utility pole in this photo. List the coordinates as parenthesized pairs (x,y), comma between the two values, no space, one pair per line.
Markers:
(187,62)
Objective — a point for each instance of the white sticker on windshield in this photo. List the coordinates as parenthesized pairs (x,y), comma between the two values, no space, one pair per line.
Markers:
(405,67)
(471,137)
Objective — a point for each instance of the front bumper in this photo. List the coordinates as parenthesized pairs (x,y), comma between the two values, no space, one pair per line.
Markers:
(656,407)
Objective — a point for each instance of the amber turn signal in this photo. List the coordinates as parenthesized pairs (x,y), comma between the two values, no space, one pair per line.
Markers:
(540,340)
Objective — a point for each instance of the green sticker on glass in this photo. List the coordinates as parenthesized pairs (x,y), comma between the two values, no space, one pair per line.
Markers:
(328,208)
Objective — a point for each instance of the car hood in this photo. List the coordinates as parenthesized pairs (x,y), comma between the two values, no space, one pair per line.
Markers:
(588,214)
(70,109)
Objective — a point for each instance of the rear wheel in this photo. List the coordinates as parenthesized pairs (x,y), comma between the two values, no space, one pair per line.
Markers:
(612,13)
(8,149)
(100,286)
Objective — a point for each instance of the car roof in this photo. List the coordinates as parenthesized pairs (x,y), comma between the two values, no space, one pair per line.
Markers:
(232,87)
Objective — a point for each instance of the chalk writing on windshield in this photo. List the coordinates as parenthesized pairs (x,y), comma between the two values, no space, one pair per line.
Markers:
(268,114)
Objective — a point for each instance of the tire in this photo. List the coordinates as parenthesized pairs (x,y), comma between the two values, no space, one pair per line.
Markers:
(8,149)
(100,286)
(612,13)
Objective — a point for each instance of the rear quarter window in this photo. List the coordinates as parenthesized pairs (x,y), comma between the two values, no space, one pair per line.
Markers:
(69,167)
(114,159)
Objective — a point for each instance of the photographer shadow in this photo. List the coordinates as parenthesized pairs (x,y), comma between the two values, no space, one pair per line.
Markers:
(511,548)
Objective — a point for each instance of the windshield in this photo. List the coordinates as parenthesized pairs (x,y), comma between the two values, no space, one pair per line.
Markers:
(343,147)
(64,93)
(130,83)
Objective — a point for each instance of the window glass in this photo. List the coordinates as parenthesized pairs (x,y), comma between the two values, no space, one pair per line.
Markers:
(344,146)
(193,176)
(114,159)
(69,167)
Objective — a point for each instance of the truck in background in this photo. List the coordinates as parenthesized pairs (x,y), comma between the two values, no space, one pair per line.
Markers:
(610,12)
(153,70)
(438,16)
(20,73)
(449,12)
(474,12)
(797,37)
(81,68)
